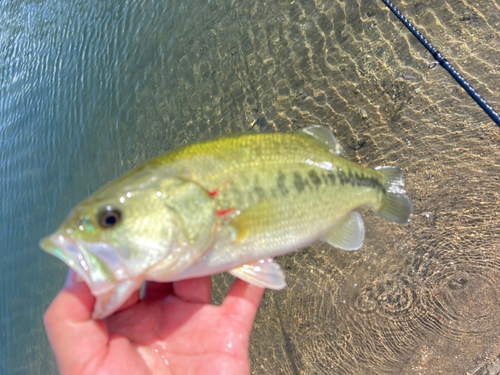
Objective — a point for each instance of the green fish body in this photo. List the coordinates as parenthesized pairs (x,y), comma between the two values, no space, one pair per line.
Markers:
(227,204)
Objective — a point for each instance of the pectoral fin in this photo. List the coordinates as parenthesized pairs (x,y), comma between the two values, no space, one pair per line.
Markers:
(264,273)
(348,234)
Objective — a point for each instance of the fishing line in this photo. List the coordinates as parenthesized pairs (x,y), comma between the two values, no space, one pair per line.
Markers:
(440,60)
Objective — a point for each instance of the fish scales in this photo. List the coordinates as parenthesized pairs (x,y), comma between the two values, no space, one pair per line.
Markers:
(226,204)
(247,173)
(277,161)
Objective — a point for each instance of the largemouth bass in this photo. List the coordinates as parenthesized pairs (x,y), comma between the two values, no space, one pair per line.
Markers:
(228,204)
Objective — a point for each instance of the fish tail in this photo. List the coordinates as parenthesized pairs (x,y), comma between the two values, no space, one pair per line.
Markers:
(397,206)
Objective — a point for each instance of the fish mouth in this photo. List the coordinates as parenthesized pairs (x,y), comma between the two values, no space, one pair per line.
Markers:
(95,263)
(100,267)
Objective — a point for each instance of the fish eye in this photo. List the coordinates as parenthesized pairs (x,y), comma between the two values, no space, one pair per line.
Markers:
(109,216)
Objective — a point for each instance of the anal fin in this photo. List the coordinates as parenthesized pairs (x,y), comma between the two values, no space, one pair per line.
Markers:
(348,234)
(264,273)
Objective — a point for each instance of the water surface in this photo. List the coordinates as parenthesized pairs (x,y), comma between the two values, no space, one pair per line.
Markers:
(91,89)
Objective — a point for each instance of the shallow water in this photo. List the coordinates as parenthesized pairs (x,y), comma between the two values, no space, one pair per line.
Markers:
(91,89)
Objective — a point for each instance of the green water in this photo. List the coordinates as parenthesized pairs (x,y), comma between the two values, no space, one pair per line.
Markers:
(91,89)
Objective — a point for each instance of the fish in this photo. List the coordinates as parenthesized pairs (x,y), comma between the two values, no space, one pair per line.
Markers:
(228,204)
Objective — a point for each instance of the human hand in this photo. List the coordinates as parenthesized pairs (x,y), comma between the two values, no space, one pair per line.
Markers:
(173,330)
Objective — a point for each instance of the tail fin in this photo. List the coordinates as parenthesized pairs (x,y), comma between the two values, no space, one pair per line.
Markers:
(397,207)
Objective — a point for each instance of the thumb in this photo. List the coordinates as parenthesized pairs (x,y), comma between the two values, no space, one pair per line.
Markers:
(75,338)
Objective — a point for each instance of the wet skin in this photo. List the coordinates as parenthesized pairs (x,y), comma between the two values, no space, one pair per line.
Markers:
(173,330)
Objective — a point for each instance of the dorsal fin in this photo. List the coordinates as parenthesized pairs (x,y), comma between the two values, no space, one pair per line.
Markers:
(325,136)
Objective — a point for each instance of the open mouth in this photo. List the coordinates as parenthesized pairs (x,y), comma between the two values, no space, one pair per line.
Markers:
(93,262)
(100,267)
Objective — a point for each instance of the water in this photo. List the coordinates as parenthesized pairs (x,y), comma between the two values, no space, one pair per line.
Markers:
(91,89)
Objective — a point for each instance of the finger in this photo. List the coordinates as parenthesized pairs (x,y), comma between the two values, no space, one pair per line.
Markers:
(242,301)
(197,290)
(74,337)
(73,302)
(155,291)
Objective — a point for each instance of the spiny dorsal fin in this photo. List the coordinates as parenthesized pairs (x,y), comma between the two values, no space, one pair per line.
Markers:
(325,136)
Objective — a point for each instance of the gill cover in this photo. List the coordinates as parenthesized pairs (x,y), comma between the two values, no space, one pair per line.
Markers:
(196,214)
(167,225)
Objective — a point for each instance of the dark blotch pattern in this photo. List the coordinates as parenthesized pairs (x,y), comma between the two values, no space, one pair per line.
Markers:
(298,182)
(354,179)
(313,175)
(260,192)
(331,177)
(317,179)
(282,184)
(258,189)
